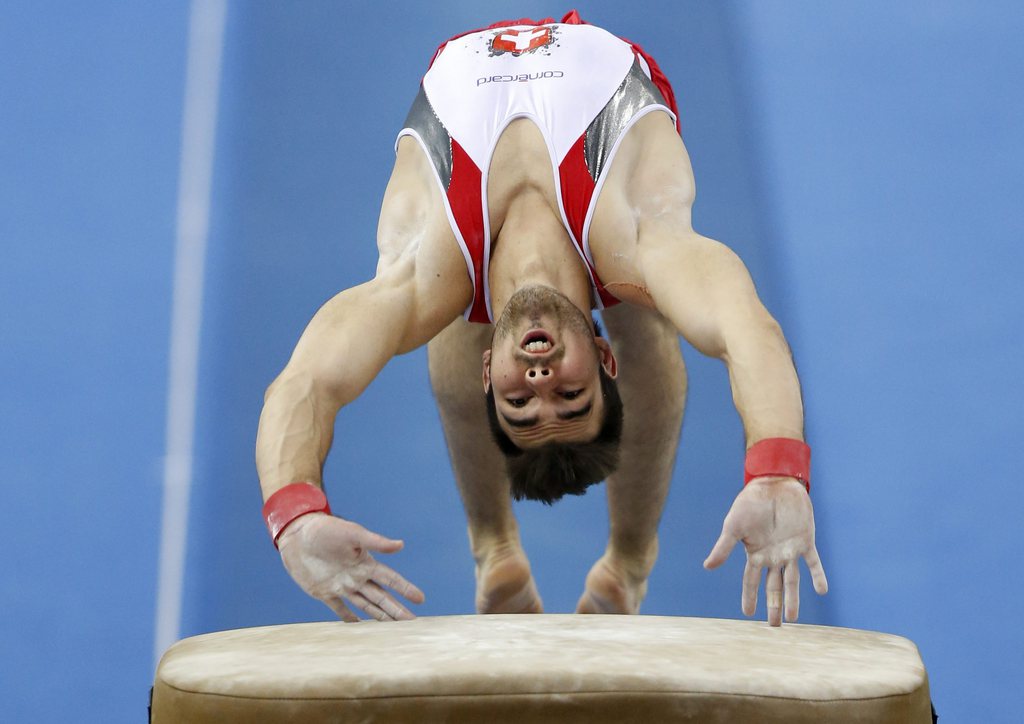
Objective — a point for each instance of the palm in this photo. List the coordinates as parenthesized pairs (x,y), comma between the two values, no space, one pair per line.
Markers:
(775,520)
(330,559)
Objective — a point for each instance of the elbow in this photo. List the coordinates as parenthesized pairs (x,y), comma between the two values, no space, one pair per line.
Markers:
(767,326)
(295,384)
(755,330)
(285,380)
(771,330)
(271,389)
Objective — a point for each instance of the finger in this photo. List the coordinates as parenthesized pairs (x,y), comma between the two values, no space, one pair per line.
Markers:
(384,576)
(720,552)
(341,610)
(817,571)
(792,585)
(773,596)
(368,607)
(385,602)
(377,542)
(751,582)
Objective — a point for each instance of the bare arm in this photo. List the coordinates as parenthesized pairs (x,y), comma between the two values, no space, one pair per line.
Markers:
(647,253)
(420,286)
(706,291)
(345,346)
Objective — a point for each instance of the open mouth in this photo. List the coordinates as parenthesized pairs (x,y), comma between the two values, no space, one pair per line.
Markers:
(537,341)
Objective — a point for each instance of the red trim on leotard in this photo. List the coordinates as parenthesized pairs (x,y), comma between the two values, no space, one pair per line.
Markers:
(577,191)
(466,202)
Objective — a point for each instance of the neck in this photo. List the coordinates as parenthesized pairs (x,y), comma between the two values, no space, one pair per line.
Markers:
(533,247)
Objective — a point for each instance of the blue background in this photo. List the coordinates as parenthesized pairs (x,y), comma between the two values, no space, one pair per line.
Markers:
(864,158)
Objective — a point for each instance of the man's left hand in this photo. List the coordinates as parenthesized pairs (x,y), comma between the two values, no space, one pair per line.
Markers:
(774,518)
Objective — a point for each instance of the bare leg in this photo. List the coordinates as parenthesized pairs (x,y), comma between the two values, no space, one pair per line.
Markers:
(652,382)
(503,580)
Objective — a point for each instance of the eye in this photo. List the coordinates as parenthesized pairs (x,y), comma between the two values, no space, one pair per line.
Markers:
(517,402)
(571,394)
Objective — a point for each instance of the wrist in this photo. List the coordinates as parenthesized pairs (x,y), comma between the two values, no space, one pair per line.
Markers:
(779,457)
(290,503)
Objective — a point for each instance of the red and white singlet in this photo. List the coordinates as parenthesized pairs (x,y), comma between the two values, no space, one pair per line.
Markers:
(583,88)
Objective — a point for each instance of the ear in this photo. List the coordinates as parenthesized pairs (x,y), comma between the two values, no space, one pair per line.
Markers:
(487,370)
(606,358)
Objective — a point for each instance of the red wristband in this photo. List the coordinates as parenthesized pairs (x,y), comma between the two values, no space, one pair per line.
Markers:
(779,456)
(291,502)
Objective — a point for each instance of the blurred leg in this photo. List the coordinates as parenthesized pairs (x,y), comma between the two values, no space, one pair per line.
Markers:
(652,382)
(504,583)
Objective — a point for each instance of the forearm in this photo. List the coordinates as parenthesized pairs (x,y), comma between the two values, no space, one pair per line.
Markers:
(765,387)
(295,432)
(343,348)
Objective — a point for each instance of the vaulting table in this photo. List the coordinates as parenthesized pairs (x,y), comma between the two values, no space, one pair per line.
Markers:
(542,668)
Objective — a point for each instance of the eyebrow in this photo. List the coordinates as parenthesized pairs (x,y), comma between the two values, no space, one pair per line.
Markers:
(531,421)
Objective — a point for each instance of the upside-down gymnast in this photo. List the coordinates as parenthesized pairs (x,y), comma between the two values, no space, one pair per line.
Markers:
(539,175)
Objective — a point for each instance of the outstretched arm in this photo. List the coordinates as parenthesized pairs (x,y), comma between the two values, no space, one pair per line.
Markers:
(345,345)
(420,286)
(704,289)
(342,350)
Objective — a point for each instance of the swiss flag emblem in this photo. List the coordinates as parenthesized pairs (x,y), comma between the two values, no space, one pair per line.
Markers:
(518,42)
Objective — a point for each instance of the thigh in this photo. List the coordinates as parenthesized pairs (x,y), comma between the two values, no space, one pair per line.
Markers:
(456,375)
(652,381)
(456,366)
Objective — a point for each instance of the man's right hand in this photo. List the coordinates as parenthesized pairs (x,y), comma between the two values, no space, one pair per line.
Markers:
(330,560)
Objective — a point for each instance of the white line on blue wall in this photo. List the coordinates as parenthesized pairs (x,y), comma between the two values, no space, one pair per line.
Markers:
(199,124)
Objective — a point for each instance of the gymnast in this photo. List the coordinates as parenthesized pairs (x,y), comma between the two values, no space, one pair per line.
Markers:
(540,175)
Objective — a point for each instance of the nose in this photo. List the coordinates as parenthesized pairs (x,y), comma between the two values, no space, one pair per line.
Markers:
(539,375)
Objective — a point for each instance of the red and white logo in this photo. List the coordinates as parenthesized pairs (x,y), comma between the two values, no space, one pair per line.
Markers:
(518,42)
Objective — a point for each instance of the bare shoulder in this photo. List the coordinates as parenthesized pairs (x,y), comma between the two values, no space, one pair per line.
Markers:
(412,213)
(649,185)
(418,253)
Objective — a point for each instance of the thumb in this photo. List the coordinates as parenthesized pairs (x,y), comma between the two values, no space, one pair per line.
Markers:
(376,542)
(720,553)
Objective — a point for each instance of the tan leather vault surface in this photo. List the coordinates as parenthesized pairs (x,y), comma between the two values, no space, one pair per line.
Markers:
(544,668)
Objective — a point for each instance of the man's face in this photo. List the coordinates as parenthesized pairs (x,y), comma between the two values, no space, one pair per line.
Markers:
(543,366)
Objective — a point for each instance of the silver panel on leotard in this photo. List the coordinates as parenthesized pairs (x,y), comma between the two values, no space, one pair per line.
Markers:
(637,91)
(436,140)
